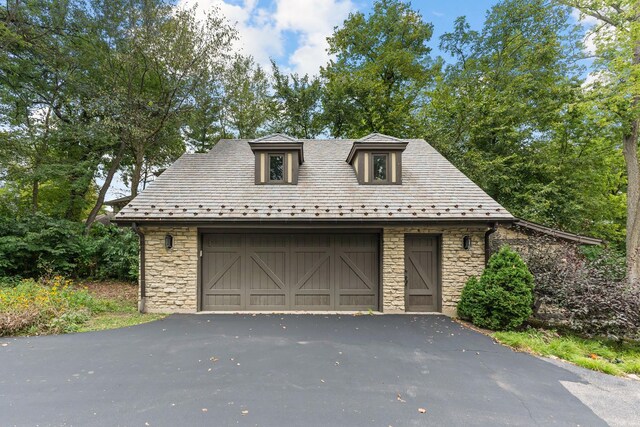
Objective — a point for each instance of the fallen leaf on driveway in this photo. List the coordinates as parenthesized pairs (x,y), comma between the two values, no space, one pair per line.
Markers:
(245,412)
(204,409)
(4,344)
(214,359)
(422,410)
(400,399)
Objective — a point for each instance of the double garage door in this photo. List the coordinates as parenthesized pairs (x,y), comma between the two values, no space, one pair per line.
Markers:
(290,272)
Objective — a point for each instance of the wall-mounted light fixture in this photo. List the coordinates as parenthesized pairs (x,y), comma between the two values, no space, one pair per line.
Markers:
(168,241)
(466,242)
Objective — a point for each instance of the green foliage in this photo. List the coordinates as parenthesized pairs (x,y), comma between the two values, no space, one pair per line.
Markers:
(609,356)
(502,298)
(297,104)
(511,113)
(40,246)
(247,101)
(382,67)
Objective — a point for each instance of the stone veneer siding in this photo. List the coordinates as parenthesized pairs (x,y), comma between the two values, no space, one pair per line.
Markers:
(458,264)
(171,274)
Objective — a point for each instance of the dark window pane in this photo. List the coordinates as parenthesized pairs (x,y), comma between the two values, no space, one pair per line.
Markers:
(379,167)
(276,168)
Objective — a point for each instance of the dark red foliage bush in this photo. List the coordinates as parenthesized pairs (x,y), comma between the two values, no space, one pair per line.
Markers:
(588,292)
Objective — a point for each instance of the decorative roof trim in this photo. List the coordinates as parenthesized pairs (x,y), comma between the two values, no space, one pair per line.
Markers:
(275,137)
(384,138)
(278,141)
(383,146)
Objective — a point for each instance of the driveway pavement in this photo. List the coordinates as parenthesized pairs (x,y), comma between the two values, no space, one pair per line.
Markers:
(290,370)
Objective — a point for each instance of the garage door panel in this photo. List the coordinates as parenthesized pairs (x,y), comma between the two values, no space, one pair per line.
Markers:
(312,271)
(290,271)
(357,272)
(267,270)
(222,272)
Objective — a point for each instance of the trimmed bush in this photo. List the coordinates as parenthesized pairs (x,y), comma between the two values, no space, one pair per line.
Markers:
(502,298)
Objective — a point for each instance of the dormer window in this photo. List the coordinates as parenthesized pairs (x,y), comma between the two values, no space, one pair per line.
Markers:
(377,159)
(278,158)
(379,167)
(276,167)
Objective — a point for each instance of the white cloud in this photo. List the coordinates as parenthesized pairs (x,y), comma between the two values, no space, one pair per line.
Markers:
(263,30)
(582,19)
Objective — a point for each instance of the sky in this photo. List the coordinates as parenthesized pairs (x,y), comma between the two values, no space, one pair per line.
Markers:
(294,32)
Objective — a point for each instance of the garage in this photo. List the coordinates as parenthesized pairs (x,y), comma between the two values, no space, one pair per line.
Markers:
(289,271)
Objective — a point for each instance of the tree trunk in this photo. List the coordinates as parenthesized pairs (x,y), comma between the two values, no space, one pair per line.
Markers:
(630,150)
(115,164)
(136,174)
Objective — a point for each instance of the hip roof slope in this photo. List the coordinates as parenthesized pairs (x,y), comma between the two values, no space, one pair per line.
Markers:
(219,185)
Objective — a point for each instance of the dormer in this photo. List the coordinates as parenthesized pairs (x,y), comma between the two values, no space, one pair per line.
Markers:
(277,159)
(377,159)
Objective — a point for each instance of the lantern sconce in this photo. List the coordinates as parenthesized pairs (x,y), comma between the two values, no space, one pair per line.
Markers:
(466,242)
(168,241)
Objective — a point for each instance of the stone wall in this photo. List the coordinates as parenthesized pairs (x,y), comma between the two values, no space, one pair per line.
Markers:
(458,264)
(171,274)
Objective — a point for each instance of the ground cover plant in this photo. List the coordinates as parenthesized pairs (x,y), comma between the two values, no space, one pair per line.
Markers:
(59,305)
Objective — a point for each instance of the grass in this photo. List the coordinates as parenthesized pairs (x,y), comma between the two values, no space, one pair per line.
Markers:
(122,311)
(58,305)
(611,357)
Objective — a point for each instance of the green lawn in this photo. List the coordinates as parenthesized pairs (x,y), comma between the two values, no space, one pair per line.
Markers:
(611,357)
(120,302)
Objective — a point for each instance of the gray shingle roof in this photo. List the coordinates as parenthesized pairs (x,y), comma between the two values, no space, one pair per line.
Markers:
(219,185)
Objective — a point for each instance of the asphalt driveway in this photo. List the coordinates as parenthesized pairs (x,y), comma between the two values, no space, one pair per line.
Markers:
(277,370)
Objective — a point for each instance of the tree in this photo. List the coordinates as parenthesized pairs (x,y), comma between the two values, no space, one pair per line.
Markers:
(297,104)
(246,97)
(47,84)
(380,73)
(509,113)
(617,41)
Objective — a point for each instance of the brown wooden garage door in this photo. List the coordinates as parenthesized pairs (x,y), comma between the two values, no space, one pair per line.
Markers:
(289,272)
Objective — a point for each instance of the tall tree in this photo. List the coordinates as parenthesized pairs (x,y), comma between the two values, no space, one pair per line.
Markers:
(154,56)
(247,101)
(47,87)
(508,112)
(297,104)
(617,40)
(380,73)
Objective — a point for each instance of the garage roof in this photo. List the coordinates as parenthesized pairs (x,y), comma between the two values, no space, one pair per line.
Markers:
(219,185)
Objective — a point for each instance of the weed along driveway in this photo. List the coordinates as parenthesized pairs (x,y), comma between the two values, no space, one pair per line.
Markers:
(274,370)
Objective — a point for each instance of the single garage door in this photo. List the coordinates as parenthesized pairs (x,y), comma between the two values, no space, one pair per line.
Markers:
(289,272)
(422,273)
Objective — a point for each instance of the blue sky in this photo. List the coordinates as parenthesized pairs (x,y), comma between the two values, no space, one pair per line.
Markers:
(294,32)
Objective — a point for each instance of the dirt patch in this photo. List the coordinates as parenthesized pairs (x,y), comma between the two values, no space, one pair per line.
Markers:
(111,289)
